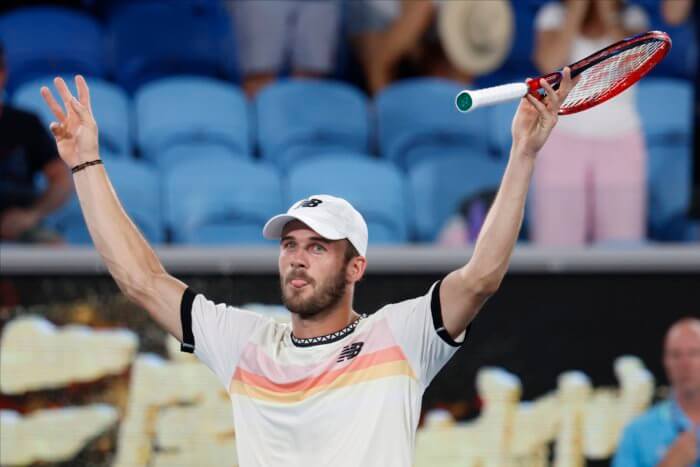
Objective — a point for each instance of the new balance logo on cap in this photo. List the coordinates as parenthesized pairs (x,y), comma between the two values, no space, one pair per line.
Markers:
(350,351)
(310,203)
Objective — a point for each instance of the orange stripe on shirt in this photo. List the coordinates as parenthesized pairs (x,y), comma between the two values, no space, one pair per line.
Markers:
(345,379)
(360,362)
(256,359)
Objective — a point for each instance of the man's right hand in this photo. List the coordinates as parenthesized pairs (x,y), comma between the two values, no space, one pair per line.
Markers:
(129,258)
(76,130)
(683,452)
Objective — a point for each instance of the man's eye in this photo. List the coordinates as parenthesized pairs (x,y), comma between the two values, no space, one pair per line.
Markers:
(318,248)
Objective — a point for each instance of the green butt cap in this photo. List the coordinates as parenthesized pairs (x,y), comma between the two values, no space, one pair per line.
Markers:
(464,101)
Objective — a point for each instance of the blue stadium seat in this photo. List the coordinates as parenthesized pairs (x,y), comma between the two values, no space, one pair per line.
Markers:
(375,188)
(190,109)
(213,202)
(440,184)
(417,120)
(138,189)
(110,105)
(303,118)
(148,40)
(669,185)
(175,155)
(500,122)
(665,106)
(50,40)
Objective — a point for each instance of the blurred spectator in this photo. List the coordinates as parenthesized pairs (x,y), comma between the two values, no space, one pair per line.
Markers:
(668,434)
(396,39)
(463,228)
(274,34)
(25,150)
(590,178)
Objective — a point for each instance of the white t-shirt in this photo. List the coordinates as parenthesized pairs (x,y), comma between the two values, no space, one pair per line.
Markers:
(350,399)
(618,115)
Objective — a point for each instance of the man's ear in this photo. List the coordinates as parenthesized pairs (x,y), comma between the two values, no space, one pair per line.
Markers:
(356,269)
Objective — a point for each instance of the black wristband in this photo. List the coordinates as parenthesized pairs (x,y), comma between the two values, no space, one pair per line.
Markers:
(85,164)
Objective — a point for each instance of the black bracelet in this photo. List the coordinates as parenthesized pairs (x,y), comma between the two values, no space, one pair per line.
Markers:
(85,164)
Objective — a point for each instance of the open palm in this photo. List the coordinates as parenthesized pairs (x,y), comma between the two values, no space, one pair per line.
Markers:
(75,130)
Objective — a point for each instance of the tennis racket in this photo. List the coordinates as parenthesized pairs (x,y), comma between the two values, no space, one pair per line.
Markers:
(604,75)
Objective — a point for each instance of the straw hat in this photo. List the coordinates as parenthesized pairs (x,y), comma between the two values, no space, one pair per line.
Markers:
(477,35)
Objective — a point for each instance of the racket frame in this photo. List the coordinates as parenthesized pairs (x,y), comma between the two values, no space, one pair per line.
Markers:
(554,79)
(477,98)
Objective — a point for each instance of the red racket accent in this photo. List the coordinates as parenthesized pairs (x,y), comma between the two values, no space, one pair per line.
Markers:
(608,72)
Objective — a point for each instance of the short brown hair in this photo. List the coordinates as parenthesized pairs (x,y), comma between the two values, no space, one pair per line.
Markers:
(350,251)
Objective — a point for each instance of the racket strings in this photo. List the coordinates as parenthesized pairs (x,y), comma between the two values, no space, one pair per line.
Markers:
(603,77)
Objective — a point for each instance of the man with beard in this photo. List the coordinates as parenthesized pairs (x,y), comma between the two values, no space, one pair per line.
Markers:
(335,387)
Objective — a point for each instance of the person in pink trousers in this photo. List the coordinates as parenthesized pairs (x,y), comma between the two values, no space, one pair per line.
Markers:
(590,180)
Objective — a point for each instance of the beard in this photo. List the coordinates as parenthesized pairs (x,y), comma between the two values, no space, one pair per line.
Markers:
(325,296)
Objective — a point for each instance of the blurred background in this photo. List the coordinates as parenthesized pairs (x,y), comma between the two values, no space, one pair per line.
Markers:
(215,115)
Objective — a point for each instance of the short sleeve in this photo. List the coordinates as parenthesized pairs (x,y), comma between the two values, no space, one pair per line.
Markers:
(550,16)
(634,18)
(216,333)
(42,149)
(417,326)
(627,454)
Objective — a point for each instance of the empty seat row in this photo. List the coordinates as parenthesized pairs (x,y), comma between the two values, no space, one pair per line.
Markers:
(179,119)
(227,201)
(141,41)
(292,120)
(288,121)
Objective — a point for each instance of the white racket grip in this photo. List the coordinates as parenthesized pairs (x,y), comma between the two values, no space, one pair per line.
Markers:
(468,100)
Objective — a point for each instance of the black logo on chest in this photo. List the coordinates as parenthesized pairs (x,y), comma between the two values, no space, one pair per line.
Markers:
(350,351)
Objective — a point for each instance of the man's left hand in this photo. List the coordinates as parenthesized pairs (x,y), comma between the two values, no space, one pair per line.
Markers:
(534,120)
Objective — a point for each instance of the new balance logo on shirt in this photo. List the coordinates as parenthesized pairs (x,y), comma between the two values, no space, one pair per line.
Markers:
(350,351)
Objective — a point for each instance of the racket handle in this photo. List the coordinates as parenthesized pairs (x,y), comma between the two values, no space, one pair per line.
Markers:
(469,100)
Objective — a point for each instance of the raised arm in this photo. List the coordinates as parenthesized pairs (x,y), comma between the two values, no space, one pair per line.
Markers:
(464,291)
(553,46)
(130,259)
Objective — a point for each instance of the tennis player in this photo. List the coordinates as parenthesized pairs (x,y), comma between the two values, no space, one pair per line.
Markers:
(337,387)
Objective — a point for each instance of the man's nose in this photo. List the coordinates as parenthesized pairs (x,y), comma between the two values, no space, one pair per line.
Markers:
(299,259)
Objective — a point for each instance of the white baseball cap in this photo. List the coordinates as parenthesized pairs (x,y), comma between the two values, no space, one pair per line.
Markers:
(331,217)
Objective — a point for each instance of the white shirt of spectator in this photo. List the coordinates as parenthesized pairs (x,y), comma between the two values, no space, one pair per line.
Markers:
(353,401)
(618,115)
